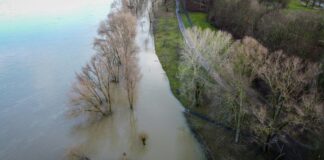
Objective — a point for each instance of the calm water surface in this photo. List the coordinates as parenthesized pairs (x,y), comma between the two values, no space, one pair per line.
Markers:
(42,45)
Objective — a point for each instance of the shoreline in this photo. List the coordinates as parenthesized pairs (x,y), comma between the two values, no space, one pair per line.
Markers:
(168,54)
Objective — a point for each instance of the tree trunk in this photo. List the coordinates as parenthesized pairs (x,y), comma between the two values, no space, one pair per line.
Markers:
(197,95)
(130,101)
(237,133)
(313,4)
(307,2)
(131,106)
(266,144)
(238,123)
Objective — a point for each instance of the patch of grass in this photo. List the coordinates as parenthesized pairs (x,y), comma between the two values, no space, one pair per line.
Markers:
(198,19)
(297,5)
(168,45)
(185,20)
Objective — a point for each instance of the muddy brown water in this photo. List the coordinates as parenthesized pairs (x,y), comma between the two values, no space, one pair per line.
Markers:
(40,50)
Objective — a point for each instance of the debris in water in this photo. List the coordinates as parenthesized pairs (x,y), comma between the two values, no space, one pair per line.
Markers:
(143,137)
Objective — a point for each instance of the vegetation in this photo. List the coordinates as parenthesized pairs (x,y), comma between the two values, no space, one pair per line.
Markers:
(288,25)
(292,93)
(114,63)
(92,90)
(143,138)
(168,44)
(272,97)
(290,79)
(298,33)
(191,76)
(198,19)
(296,5)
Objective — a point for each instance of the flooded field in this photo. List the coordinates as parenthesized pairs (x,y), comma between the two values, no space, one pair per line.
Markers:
(39,55)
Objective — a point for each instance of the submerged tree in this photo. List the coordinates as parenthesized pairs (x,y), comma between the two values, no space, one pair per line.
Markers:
(132,75)
(91,92)
(115,61)
(116,40)
(116,43)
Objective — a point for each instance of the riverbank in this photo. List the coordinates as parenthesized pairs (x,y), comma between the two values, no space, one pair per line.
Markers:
(168,45)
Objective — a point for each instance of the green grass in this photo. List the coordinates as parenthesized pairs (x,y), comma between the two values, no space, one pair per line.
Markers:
(297,5)
(168,44)
(185,21)
(198,19)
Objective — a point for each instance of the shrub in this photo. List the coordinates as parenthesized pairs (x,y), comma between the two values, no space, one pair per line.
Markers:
(295,32)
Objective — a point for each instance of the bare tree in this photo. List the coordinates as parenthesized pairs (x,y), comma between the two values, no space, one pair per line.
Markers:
(214,47)
(289,79)
(117,40)
(191,75)
(91,92)
(129,50)
(204,44)
(115,59)
(116,43)
(236,101)
(132,75)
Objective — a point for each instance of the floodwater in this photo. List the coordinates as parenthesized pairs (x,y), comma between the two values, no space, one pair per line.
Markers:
(42,45)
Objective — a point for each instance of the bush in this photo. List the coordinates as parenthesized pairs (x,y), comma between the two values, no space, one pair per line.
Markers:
(294,32)
(300,33)
(236,16)
(276,3)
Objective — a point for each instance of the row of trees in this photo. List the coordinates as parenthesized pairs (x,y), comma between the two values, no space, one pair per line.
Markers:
(113,66)
(292,99)
(296,32)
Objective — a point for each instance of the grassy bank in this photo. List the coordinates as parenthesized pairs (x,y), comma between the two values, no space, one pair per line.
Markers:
(168,44)
(297,5)
(198,19)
